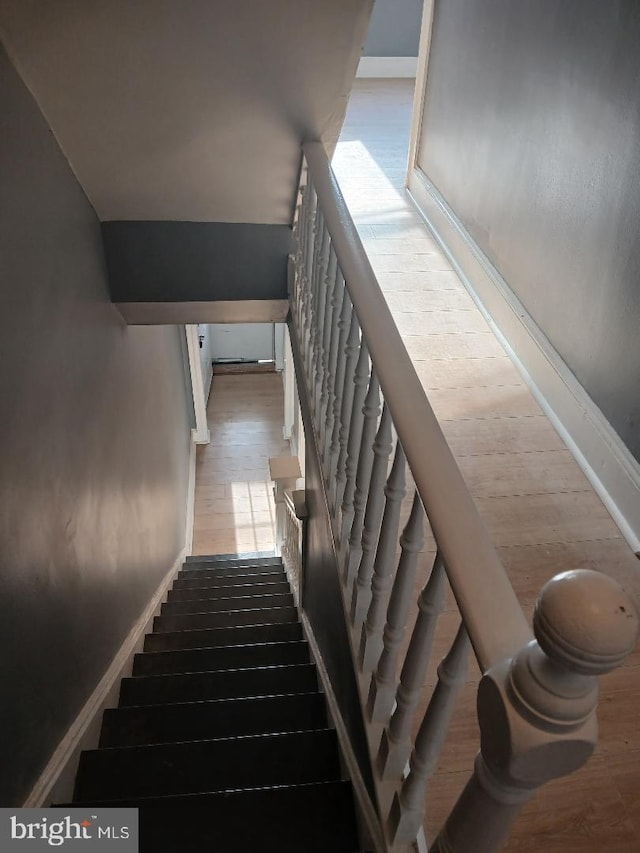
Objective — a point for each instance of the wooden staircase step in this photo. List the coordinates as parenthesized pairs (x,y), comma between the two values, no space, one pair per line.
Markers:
(209,562)
(277,632)
(226,684)
(211,765)
(219,718)
(232,558)
(225,657)
(224,605)
(229,619)
(222,724)
(230,572)
(191,591)
(306,818)
(224,578)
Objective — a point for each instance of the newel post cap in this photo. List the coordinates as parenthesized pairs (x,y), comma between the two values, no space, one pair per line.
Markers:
(585,621)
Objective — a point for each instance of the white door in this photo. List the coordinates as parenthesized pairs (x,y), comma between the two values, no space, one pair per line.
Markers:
(242,342)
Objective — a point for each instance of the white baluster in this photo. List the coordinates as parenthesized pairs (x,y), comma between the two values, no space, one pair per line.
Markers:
(332,368)
(407,811)
(384,565)
(303,280)
(346,477)
(319,328)
(352,523)
(305,329)
(361,593)
(537,711)
(327,332)
(352,348)
(382,692)
(315,288)
(395,747)
(332,447)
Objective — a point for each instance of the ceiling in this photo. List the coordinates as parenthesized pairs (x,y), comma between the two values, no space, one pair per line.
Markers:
(190,110)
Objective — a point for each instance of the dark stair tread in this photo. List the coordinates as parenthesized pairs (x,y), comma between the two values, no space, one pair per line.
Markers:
(218,604)
(225,684)
(184,721)
(227,619)
(308,818)
(194,593)
(264,564)
(214,579)
(208,765)
(242,555)
(224,657)
(210,637)
(226,572)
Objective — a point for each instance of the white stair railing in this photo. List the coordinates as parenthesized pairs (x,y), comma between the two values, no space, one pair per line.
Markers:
(538,691)
(290,515)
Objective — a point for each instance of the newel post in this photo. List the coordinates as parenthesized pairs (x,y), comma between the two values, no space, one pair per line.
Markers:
(537,711)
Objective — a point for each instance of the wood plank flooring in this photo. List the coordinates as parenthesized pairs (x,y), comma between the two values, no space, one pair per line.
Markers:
(541,511)
(234,509)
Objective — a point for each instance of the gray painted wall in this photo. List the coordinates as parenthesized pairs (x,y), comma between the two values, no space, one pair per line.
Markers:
(94,441)
(394,29)
(188,111)
(196,261)
(532,135)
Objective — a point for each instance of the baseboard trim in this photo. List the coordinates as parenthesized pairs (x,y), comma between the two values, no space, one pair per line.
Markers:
(56,781)
(387,66)
(367,808)
(606,462)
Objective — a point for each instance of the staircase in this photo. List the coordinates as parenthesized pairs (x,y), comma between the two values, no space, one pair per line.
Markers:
(222,724)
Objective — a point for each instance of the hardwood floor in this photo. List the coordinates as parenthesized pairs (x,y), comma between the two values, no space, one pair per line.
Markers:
(540,509)
(234,509)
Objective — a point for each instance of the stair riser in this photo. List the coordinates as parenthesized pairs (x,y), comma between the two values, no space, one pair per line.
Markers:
(202,720)
(202,581)
(231,657)
(208,766)
(195,593)
(223,605)
(217,637)
(242,572)
(271,681)
(231,619)
(190,562)
(306,819)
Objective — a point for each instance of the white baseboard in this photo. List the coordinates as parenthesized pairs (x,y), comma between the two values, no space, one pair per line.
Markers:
(387,66)
(603,457)
(55,784)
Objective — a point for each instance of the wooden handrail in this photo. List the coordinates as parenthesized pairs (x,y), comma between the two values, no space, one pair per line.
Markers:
(492,614)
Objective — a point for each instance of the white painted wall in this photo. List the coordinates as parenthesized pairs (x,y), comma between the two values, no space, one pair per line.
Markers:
(204,336)
(242,341)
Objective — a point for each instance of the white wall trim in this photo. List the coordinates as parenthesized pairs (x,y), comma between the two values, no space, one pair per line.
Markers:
(201,432)
(289,388)
(226,311)
(387,66)
(367,808)
(603,457)
(191,499)
(56,781)
(419,92)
